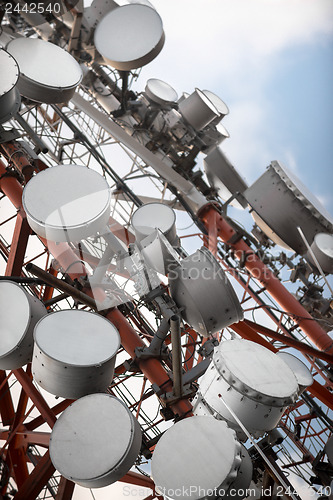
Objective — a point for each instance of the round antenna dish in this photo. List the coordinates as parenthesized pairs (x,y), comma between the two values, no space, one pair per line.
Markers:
(253,382)
(201,288)
(160,92)
(184,95)
(9,95)
(300,370)
(158,253)
(19,312)
(214,467)
(151,216)
(67,203)
(74,353)
(198,110)
(130,36)
(99,458)
(220,105)
(97,10)
(47,72)
(223,177)
(322,247)
(281,203)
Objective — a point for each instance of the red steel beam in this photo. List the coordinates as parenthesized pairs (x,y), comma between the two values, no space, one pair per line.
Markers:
(18,246)
(65,489)
(6,403)
(152,368)
(264,275)
(37,479)
(289,341)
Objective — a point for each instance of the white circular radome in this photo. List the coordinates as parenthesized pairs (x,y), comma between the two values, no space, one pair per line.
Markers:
(221,107)
(130,36)
(257,367)
(199,452)
(45,63)
(95,458)
(324,243)
(160,91)
(153,216)
(67,202)
(77,337)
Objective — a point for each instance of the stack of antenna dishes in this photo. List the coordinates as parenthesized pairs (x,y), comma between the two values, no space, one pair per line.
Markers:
(19,313)
(9,94)
(249,386)
(48,73)
(102,457)
(204,294)
(74,353)
(130,36)
(202,456)
(281,204)
(224,178)
(67,203)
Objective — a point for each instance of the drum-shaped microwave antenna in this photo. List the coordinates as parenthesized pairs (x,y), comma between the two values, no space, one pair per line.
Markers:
(130,36)
(200,287)
(223,177)
(220,105)
(151,216)
(322,248)
(198,110)
(99,458)
(158,253)
(67,203)
(254,383)
(47,72)
(9,95)
(19,312)
(74,353)
(97,10)
(300,370)
(197,455)
(281,203)
(160,92)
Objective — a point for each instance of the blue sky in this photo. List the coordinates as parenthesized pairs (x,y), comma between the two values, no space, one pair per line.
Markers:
(271,62)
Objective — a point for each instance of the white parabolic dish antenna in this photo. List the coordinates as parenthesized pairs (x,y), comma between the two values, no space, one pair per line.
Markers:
(47,72)
(200,286)
(9,95)
(198,110)
(151,216)
(160,91)
(99,458)
(281,203)
(197,454)
(130,36)
(74,353)
(322,247)
(19,312)
(254,382)
(67,203)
